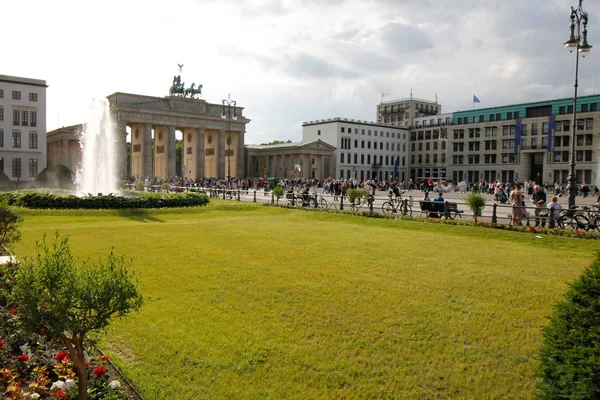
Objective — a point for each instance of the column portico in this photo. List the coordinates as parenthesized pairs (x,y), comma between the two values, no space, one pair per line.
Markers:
(171,150)
(200,153)
(147,151)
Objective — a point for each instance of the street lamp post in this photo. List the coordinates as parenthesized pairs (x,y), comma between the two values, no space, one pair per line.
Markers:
(229,113)
(443,140)
(578,42)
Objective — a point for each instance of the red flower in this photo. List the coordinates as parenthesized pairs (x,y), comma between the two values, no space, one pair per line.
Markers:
(19,383)
(1,344)
(59,395)
(13,311)
(99,371)
(85,364)
(104,358)
(62,356)
(23,357)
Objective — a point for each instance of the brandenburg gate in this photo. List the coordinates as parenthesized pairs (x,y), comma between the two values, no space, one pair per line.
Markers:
(210,144)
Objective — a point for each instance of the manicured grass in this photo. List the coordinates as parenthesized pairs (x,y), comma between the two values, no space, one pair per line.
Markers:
(256,302)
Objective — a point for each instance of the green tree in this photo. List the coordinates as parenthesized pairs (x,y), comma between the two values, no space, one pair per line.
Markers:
(276,142)
(569,367)
(68,302)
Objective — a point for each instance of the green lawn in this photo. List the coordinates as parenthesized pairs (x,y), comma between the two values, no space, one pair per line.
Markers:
(257,302)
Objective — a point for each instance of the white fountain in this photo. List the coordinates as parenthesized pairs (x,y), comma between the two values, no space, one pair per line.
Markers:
(98,170)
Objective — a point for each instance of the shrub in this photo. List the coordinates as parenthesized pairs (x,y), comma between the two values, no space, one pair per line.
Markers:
(56,176)
(569,367)
(147,200)
(68,301)
(476,203)
(10,225)
(278,192)
(354,194)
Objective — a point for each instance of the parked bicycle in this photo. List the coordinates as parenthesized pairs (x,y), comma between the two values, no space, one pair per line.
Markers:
(396,206)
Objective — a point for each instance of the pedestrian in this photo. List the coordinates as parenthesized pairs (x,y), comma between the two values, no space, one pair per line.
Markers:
(538,198)
(516,198)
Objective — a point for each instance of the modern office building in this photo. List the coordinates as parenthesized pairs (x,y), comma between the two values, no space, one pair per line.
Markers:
(22,127)
(520,141)
(364,150)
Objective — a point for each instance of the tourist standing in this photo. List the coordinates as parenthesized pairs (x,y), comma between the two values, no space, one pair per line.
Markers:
(516,199)
(538,198)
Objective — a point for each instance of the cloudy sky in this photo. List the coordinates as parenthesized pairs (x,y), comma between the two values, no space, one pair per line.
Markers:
(289,61)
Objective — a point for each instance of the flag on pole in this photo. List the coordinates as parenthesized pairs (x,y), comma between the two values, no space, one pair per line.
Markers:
(475,99)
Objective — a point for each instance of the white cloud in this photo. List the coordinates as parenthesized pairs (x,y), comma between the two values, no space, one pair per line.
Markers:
(288,61)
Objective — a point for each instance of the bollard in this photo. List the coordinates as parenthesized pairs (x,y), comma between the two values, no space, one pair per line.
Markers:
(551,219)
(272,198)
(494,217)
(371,201)
(238,194)
(316,202)
(254,201)
(224,194)
(341,203)
(411,201)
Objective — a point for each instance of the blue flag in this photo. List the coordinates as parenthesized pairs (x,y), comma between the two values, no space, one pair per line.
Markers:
(475,99)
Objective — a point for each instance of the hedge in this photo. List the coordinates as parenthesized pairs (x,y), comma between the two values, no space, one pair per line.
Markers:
(149,200)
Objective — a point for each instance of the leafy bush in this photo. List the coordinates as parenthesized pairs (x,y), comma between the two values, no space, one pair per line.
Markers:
(10,225)
(354,194)
(56,176)
(476,203)
(67,301)
(569,367)
(278,192)
(147,200)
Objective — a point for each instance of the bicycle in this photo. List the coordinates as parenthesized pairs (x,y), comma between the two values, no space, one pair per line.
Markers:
(593,217)
(359,202)
(395,206)
(574,218)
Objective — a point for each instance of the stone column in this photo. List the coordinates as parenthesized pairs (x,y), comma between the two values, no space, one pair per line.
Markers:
(306,166)
(147,152)
(120,139)
(200,150)
(221,154)
(170,151)
(321,167)
(240,173)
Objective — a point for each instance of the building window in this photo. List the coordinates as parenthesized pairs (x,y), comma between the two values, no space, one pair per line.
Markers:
(318,132)
(355,158)
(534,128)
(16,95)
(589,123)
(33,167)
(16,167)
(1,93)
(24,118)
(341,158)
(342,129)
(33,140)
(16,117)
(33,97)
(33,118)
(1,138)
(1,114)
(16,139)
(362,159)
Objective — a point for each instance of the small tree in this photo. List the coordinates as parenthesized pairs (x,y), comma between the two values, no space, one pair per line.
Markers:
(68,302)
(10,225)
(355,194)
(476,203)
(569,367)
(278,192)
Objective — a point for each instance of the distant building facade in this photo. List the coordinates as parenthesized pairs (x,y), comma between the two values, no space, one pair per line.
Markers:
(402,112)
(64,147)
(22,127)
(520,141)
(364,150)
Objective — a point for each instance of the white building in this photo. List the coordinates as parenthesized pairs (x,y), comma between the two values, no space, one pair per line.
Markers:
(364,150)
(22,127)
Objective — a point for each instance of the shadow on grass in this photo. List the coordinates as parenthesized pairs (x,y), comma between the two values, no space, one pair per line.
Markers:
(140,215)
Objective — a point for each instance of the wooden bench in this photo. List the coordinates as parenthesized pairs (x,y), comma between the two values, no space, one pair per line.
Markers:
(433,209)
(452,211)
